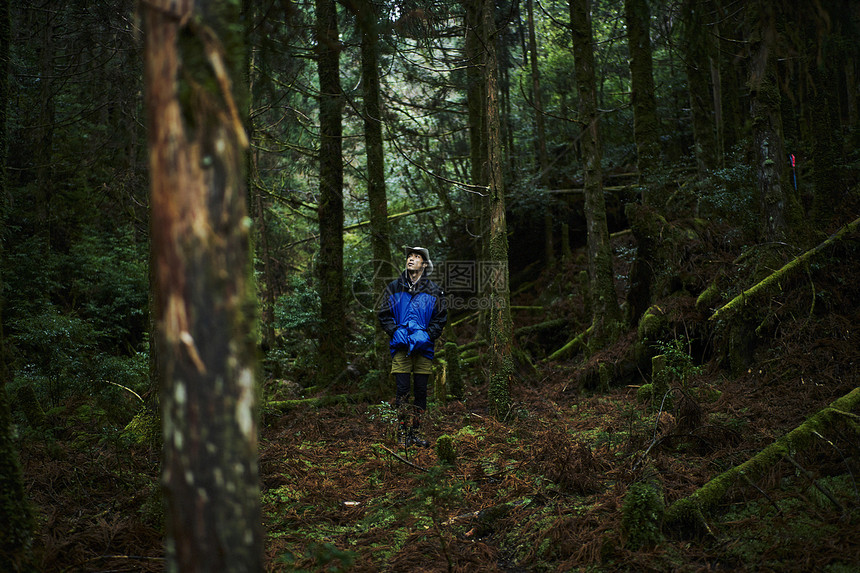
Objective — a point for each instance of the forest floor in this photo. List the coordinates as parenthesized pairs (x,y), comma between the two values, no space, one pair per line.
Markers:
(544,489)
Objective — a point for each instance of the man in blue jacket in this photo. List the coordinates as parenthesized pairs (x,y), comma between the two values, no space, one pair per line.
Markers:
(413,313)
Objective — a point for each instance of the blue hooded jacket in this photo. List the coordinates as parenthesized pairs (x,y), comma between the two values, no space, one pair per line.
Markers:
(413,315)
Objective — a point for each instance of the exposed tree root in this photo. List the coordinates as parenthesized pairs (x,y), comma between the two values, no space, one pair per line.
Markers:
(693,507)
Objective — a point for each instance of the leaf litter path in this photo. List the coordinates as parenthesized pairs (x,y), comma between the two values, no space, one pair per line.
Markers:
(543,490)
(540,491)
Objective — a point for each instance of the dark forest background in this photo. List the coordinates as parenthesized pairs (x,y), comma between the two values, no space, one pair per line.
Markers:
(669,189)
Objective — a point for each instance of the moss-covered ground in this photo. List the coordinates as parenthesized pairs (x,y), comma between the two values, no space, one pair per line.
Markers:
(573,478)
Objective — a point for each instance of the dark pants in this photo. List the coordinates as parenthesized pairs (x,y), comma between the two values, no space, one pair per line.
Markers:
(404,381)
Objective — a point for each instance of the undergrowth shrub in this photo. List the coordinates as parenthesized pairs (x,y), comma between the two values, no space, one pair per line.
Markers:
(642,515)
(446,450)
(728,194)
(297,320)
(76,321)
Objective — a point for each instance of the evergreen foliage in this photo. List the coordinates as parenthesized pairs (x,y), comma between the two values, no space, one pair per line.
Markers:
(642,514)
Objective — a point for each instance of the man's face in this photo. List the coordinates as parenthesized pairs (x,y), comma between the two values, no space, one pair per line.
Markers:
(415,262)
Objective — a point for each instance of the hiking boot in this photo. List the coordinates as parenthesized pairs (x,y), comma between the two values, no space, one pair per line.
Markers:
(413,440)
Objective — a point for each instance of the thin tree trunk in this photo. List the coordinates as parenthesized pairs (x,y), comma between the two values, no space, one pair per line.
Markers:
(767,124)
(646,126)
(646,132)
(604,304)
(380,235)
(205,299)
(731,74)
(496,268)
(47,107)
(332,341)
(540,123)
(476,92)
(698,72)
(16,519)
(829,190)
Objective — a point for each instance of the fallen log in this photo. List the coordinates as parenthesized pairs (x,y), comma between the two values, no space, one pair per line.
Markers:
(553,324)
(693,507)
(283,406)
(578,343)
(773,282)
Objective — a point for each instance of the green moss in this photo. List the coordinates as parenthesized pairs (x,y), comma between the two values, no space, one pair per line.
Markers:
(642,515)
(652,323)
(144,429)
(645,393)
(709,298)
(709,495)
(445,449)
(455,373)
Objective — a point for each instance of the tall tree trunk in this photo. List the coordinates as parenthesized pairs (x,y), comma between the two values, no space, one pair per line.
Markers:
(205,298)
(503,55)
(767,123)
(332,341)
(495,270)
(269,292)
(380,236)
(829,189)
(696,42)
(646,126)
(44,152)
(16,519)
(604,304)
(646,133)
(540,144)
(732,76)
(476,92)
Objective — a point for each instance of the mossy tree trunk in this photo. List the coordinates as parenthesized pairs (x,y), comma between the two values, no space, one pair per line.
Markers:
(44,133)
(476,91)
(727,30)
(540,142)
(829,189)
(16,519)
(646,132)
(496,268)
(205,296)
(605,310)
(368,21)
(697,60)
(331,362)
(646,126)
(773,197)
(692,509)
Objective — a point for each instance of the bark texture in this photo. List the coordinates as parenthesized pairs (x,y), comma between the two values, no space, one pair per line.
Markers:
(767,124)
(540,144)
(205,300)
(604,304)
(501,329)
(332,341)
(373,142)
(696,42)
(646,126)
